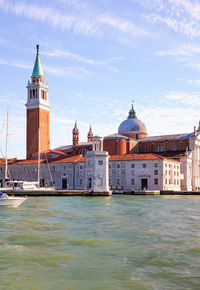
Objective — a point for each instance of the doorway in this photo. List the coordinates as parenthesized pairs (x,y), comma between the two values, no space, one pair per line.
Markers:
(42,182)
(144,183)
(64,183)
(89,183)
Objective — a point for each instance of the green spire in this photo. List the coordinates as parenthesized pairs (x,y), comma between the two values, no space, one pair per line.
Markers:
(37,71)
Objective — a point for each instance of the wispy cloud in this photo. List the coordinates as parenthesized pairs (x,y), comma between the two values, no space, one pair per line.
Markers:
(193,9)
(71,55)
(15,64)
(185,26)
(75,71)
(180,50)
(188,54)
(113,69)
(168,119)
(194,82)
(90,23)
(181,16)
(122,25)
(192,99)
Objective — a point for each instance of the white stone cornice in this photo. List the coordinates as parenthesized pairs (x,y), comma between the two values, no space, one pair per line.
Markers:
(37,106)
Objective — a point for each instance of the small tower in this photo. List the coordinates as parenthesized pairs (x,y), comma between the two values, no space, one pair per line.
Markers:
(37,136)
(97,171)
(90,134)
(75,135)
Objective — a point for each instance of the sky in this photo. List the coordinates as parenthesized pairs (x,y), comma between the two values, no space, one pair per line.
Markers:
(97,57)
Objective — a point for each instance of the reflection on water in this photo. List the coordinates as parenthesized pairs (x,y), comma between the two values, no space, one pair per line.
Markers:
(120,242)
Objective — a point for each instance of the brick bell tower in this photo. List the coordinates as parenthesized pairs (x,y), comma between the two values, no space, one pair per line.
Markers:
(37,127)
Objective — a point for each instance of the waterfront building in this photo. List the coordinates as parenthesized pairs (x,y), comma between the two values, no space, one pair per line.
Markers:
(126,160)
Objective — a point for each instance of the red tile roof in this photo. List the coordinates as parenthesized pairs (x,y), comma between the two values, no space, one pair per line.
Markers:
(76,158)
(145,156)
(24,161)
(80,158)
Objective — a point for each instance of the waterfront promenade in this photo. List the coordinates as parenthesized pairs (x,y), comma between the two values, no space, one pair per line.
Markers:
(98,193)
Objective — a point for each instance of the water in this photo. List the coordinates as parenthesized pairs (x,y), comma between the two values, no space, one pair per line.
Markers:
(119,242)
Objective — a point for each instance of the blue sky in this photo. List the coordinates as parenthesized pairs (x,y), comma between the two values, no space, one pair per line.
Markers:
(97,57)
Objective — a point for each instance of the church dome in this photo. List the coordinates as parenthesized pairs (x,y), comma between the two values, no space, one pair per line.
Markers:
(133,127)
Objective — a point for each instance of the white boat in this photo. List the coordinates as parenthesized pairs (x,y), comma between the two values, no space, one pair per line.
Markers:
(26,186)
(10,201)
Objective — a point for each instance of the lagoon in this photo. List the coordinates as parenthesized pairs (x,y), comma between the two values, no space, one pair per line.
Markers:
(118,242)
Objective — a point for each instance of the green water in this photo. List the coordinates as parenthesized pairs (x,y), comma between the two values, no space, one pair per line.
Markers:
(119,242)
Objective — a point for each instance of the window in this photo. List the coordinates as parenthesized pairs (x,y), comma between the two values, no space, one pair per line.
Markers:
(155,164)
(144,165)
(33,93)
(118,165)
(100,162)
(156,181)
(175,181)
(156,172)
(81,182)
(178,181)
(160,149)
(109,165)
(136,137)
(173,148)
(81,167)
(165,181)
(118,181)
(133,165)
(165,172)
(133,181)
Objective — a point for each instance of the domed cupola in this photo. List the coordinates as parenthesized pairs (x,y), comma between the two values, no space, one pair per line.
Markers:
(133,127)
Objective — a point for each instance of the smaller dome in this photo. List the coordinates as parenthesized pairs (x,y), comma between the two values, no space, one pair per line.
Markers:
(132,125)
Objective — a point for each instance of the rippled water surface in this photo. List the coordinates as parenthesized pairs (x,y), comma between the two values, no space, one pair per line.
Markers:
(119,242)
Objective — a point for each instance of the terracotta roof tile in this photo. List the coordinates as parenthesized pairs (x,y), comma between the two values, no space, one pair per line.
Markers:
(76,158)
(145,156)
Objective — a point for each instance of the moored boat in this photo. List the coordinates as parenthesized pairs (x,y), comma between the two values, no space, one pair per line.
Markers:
(10,201)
